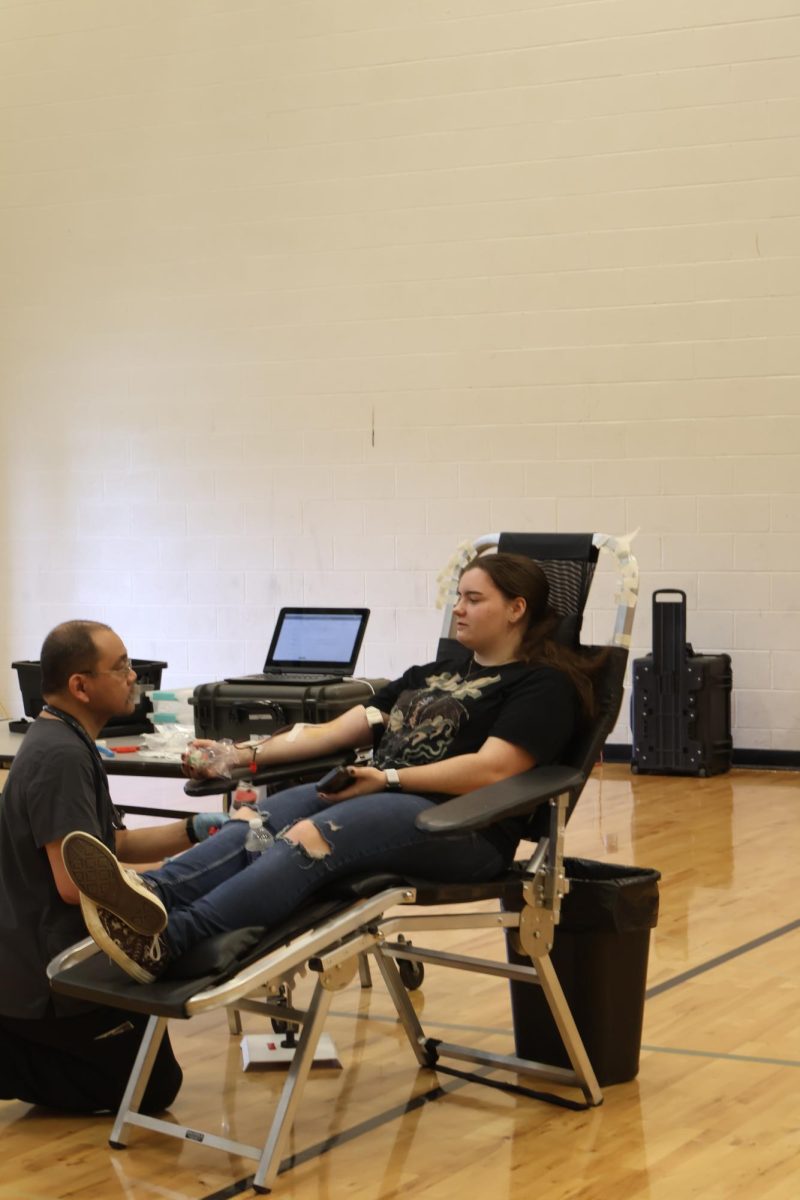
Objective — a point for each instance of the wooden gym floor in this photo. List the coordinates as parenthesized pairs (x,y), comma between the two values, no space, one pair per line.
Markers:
(715,1111)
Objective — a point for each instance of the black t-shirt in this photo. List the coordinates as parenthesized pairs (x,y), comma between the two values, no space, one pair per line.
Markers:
(56,784)
(443,709)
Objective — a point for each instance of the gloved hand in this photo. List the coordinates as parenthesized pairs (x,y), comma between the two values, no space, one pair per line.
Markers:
(205,759)
(206,823)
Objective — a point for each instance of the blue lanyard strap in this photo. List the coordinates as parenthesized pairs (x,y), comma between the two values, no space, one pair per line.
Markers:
(97,761)
(68,719)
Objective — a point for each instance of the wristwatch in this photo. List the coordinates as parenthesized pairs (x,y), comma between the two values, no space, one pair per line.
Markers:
(392,780)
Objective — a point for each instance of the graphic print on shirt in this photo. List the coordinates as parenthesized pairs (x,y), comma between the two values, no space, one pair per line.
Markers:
(424,722)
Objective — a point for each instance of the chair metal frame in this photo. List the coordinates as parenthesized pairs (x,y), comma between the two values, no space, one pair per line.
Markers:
(335,948)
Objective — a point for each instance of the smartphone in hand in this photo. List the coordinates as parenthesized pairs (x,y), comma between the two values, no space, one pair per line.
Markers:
(335,781)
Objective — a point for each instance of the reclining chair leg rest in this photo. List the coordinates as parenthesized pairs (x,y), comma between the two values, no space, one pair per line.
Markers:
(138,1079)
(234,1021)
(333,976)
(283,1119)
(268,1156)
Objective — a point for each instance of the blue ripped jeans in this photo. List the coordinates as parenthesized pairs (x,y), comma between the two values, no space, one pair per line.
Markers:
(218,885)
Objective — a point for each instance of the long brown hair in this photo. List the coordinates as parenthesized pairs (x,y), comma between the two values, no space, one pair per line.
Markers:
(517,576)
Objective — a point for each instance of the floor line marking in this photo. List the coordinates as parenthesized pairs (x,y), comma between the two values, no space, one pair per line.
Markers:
(242,1185)
(720,959)
(347,1135)
(744,1058)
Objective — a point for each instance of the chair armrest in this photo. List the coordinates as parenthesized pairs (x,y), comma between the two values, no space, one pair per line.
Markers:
(213,787)
(274,774)
(514,797)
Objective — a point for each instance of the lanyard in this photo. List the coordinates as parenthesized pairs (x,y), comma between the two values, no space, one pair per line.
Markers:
(68,719)
(100,776)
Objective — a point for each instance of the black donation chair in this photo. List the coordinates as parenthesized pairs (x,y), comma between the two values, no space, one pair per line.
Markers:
(255,970)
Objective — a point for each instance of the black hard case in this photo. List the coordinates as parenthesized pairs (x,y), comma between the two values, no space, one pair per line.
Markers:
(241,710)
(148,672)
(681,702)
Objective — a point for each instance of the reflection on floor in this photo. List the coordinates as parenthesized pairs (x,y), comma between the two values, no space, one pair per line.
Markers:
(715,1111)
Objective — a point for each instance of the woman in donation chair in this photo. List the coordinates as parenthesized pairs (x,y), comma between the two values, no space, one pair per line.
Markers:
(509,702)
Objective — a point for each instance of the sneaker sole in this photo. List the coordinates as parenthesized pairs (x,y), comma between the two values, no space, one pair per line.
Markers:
(97,874)
(109,946)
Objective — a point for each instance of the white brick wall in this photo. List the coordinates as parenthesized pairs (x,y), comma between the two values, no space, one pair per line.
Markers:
(296,297)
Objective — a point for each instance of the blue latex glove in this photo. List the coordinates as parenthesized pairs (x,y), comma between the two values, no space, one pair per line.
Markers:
(206,823)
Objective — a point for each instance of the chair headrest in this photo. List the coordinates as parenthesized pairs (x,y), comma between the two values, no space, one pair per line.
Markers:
(567,559)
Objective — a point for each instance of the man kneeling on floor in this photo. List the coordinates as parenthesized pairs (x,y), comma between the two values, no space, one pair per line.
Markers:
(55,1051)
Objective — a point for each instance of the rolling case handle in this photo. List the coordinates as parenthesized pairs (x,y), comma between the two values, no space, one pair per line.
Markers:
(669,631)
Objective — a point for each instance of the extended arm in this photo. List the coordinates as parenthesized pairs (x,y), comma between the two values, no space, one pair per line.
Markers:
(149,847)
(142,848)
(301,742)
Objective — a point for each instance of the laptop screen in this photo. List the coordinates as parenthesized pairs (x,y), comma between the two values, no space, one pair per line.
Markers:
(317,639)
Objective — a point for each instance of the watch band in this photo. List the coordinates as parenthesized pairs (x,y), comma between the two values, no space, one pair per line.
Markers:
(392,780)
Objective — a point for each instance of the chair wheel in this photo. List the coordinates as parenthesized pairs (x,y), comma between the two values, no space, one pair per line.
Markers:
(279,1026)
(411,973)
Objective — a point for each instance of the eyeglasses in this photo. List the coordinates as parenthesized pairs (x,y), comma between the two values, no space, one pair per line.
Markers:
(125,668)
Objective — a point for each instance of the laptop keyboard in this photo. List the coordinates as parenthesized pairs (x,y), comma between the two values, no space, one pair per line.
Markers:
(300,677)
(294,677)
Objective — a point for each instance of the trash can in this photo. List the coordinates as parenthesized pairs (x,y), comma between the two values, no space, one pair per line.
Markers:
(599,953)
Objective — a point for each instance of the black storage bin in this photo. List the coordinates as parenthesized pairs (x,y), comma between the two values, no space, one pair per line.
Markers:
(599,953)
(680,701)
(242,710)
(149,676)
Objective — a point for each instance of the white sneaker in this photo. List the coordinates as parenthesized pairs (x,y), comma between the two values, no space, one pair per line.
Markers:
(143,956)
(101,879)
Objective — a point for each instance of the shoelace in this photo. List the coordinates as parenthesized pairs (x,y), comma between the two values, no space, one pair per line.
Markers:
(155,950)
(141,884)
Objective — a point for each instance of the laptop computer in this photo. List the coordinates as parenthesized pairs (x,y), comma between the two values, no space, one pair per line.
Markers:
(312,646)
